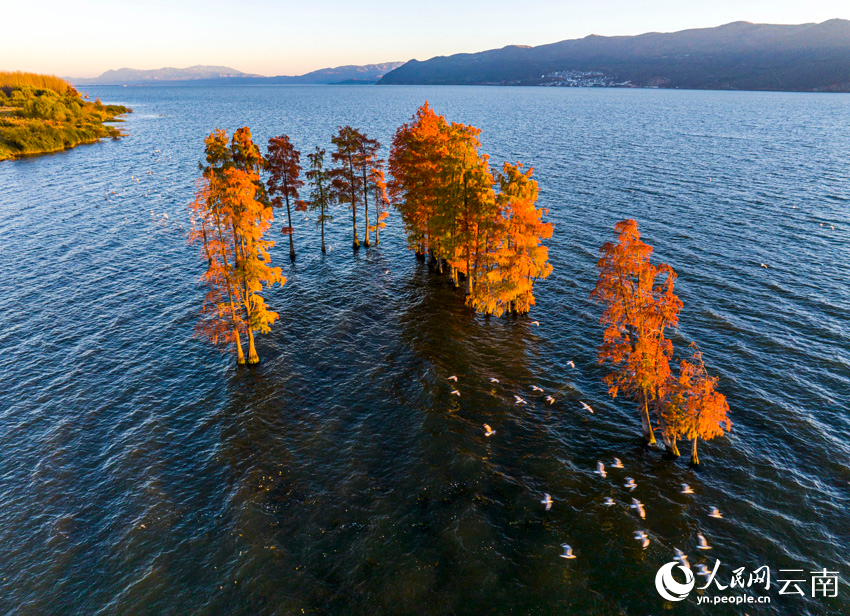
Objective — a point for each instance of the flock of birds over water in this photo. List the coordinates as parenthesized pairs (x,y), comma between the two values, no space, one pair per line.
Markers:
(629,484)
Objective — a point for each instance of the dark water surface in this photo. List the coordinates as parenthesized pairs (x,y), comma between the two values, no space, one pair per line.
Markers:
(142,473)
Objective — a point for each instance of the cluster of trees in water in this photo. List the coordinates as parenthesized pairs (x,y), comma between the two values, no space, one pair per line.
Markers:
(480,227)
(441,184)
(43,113)
(639,307)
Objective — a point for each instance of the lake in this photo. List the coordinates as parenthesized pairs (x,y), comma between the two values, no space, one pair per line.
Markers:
(143,473)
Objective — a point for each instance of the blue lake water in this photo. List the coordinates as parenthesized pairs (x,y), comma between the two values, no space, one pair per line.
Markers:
(143,473)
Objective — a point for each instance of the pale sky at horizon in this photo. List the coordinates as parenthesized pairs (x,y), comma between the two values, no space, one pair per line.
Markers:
(86,38)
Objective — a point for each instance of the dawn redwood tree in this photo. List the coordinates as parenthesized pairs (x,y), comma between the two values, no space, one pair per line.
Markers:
(638,307)
(220,321)
(320,190)
(230,218)
(346,182)
(378,186)
(366,160)
(414,164)
(466,202)
(695,409)
(283,164)
(514,257)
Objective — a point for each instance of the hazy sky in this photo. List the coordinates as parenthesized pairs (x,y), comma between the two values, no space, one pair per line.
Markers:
(86,37)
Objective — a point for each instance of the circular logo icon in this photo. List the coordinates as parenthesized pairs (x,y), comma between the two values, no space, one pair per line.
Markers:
(669,588)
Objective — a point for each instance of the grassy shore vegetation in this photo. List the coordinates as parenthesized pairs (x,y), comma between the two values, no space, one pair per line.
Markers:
(43,113)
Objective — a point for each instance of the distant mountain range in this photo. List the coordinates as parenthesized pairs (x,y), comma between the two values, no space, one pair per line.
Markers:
(736,56)
(223,75)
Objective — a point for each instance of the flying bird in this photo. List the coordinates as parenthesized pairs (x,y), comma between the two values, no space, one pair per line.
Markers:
(537,323)
(547,500)
(608,502)
(519,400)
(600,469)
(643,538)
(536,388)
(630,483)
(571,364)
(455,393)
(453,378)
(703,544)
(550,399)
(492,380)
(488,431)
(568,551)
(586,406)
(686,489)
(764,266)
(617,463)
(682,558)
(703,570)
(638,506)
(715,513)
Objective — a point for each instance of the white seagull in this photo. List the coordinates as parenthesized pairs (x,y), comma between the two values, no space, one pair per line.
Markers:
(682,558)
(535,323)
(703,544)
(550,399)
(453,378)
(568,551)
(488,431)
(637,505)
(600,469)
(586,406)
(536,388)
(715,513)
(608,502)
(630,483)
(455,392)
(617,463)
(686,489)
(643,538)
(764,266)
(492,380)
(547,500)
(519,400)
(703,570)
(571,364)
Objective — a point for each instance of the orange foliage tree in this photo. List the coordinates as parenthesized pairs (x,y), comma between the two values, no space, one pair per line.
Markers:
(514,255)
(694,408)
(378,185)
(639,306)
(230,218)
(414,165)
(444,190)
(283,164)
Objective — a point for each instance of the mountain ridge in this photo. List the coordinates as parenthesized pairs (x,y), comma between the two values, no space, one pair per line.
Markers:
(738,55)
(223,75)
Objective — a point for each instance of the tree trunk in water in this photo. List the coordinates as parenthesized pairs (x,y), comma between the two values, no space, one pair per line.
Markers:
(289,222)
(253,358)
(672,448)
(366,211)
(694,456)
(240,356)
(468,278)
(354,222)
(648,432)
(323,235)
